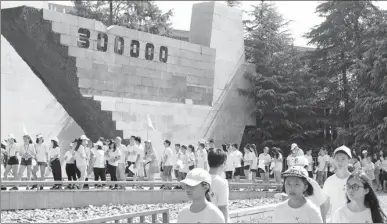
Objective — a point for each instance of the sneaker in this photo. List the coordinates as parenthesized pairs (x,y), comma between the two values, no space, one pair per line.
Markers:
(162,187)
(27,188)
(111,187)
(14,189)
(176,187)
(34,186)
(3,188)
(41,188)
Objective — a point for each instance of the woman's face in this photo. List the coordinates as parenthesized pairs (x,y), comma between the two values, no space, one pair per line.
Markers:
(196,192)
(84,142)
(183,150)
(26,139)
(355,189)
(295,187)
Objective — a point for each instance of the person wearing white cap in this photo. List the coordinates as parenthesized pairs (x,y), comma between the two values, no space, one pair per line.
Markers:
(27,151)
(42,151)
(298,208)
(201,210)
(54,158)
(81,157)
(122,161)
(323,161)
(12,152)
(98,163)
(71,168)
(334,186)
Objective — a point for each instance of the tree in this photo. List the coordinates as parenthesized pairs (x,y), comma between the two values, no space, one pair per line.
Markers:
(338,40)
(369,114)
(234,3)
(286,103)
(140,15)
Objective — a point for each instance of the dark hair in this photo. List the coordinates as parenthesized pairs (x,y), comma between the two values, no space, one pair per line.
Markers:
(133,136)
(207,194)
(112,143)
(184,147)
(178,145)
(309,191)
(55,144)
(202,145)
(370,200)
(216,158)
(191,147)
(168,142)
(224,147)
(79,143)
(211,141)
(235,145)
(247,146)
(37,140)
(254,148)
(99,147)
(137,139)
(3,146)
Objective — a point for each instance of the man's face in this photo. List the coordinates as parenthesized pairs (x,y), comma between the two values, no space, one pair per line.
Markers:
(177,148)
(341,159)
(165,145)
(309,152)
(131,140)
(265,150)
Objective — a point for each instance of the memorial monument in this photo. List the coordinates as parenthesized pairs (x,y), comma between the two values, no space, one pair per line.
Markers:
(107,81)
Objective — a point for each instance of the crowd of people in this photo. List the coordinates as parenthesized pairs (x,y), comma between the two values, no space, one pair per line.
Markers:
(338,188)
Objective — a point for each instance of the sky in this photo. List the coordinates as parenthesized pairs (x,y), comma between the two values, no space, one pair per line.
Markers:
(301,13)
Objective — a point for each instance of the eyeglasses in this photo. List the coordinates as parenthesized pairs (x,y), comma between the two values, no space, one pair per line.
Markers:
(354,187)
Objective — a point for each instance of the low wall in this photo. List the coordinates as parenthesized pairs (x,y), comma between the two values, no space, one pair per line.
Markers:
(13,200)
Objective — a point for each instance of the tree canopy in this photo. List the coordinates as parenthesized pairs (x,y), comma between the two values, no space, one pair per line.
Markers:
(140,15)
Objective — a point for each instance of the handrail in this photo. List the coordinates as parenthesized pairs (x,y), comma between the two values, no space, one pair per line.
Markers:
(130,216)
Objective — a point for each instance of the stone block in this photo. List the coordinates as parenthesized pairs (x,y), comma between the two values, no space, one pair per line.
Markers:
(190,46)
(122,60)
(128,70)
(61,28)
(84,83)
(84,63)
(100,27)
(69,19)
(147,81)
(115,68)
(100,67)
(110,106)
(134,80)
(160,66)
(86,23)
(208,51)
(74,31)
(51,15)
(117,30)
(84,73)
(123,107)
(188,101)
(145,37)
(77,52)
(170,42)
(131,34)
(99,85)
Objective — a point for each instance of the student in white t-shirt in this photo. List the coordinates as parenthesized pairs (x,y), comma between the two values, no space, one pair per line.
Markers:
(297,209)
(201,157)
(309,157)
(277,162)
(334,186)
(237,159)
(139,165)
(113,155)
(248,159)
(167,165)
(98,163)
(362,203)
(323,161)
(254,165)
(217,159)
(41,159)
(229,168)
(264,166)
(198,186)
(131,156)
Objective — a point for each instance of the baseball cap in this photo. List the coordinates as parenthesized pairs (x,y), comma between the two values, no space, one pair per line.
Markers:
(83,137)
(27,135)
(202,141)
(197,176)
(296,171)
(344,149)
(39,136)
(293,146)
(11,136)
(119,138)
(55,139)
(99,143)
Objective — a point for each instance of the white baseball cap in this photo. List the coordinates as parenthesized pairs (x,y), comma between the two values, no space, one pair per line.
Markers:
(99,143)
(39,136)
(293,146)
(296,171)
(83,137)
(11,136)
(197,176)
(55,139)
(344,149)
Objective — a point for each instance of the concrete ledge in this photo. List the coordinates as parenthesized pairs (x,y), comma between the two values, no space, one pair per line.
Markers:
(73,199)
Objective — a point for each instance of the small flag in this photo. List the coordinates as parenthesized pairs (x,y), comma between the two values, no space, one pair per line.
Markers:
(150,122)
(24,129)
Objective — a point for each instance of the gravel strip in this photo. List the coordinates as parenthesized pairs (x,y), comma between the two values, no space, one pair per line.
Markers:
(73,214)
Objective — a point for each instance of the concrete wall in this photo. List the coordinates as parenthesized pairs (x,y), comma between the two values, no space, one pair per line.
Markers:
(74,199)
(192,94)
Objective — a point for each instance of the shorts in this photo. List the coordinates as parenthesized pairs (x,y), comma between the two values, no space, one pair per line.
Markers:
(13,160)
(177,175)
(26,162)
(254,170)
(228,175)
(42,164)
(383,175)
(167,171)
(191,167)
(247,167)
(237,171)
(310,174)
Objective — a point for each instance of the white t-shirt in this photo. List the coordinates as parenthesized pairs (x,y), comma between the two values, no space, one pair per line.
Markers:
(248,158)
(322,160)
(308,213)
(291,160)
(219,191)
(12,149)
(278,163)
(237,156)
(168,152)
(99,156)
(344,215)
(266,159)
(140,151)
(334,188)
(176,157)
(310,162)
(53,152)
(81,151)
(123,151)
(132,154)
(41,152)
(28,151)
(111,155)
(70,159)
(202,158)
(211,214)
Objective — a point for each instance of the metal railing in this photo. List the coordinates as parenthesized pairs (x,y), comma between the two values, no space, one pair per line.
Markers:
(130,216)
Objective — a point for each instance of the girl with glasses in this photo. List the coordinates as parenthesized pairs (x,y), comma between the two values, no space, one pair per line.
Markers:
(362,203)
